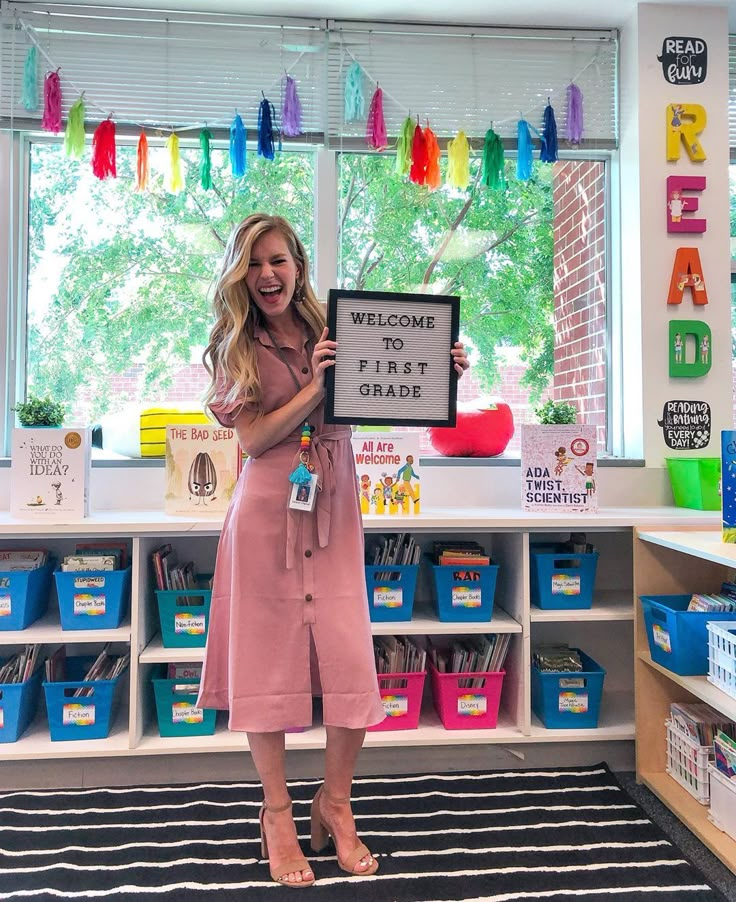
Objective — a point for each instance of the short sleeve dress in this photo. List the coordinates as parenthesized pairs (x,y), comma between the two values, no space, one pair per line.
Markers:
(289,609)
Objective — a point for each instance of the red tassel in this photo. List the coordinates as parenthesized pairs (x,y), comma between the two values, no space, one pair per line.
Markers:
(51,121)
(141,164)
(419,157)
(103,150)
(433,180)
(375,131)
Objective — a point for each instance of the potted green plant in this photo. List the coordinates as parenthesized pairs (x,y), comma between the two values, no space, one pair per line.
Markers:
(35,411)
(554,413)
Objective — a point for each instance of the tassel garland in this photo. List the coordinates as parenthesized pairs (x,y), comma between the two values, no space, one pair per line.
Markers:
(419,157)
(493,169)
(433,180)
(354,99)
(266,115)
(74,134)
(574,114)
(458,161)
(205,163)
(375,127)
(141,163)
(51,121)
(238,160)
(403,147)
(548,152)
(291,112)
(30,79)
(524,164)
(173,178)
(103,150)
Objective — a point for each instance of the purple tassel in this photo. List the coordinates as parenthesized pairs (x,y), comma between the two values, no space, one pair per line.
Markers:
(291,116)
(51,121)
(574,114)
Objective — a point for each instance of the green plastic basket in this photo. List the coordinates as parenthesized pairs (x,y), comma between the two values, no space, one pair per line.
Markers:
(695,482)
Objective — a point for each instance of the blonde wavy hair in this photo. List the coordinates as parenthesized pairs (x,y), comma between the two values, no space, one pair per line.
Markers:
(230,356)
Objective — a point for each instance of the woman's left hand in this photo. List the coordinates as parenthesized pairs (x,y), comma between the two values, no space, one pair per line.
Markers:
(460,358)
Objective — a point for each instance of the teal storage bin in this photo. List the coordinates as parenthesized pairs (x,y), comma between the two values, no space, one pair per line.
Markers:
(18,704)
(678,638)
(391,599)
(81,717)
(464,593)
(568,700)
(24,596)
(177,711)
(184,626)
(562,580)
(93,599)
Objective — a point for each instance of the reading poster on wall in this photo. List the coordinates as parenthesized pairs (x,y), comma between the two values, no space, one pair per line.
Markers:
(393,364)
(558,468)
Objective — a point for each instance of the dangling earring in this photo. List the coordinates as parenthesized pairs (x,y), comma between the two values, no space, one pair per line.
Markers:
(299,296)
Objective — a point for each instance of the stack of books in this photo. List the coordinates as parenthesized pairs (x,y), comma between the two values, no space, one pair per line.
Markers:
(398,654)
(724,749)
(170,574)
(398,549)
(20,666)
(700,722)
(474,654)
(104,667)
(452,554)
(557,659)
(725,600)
(22,559)
(104,556)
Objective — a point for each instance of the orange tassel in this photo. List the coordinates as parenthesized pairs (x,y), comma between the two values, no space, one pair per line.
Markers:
(141,164)
(419,159)
(434,179)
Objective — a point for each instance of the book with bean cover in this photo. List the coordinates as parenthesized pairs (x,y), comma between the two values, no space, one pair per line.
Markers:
(203,464)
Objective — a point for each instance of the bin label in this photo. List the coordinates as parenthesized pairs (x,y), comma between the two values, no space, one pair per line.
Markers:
(191,624)
(388,597)
(565,584)
(661,638)
(573,702)
(465,597)
(78,715)
(395,705)
(472,705)
(572,683)
(89,605)
(184,712)
(89,582)
(6,605)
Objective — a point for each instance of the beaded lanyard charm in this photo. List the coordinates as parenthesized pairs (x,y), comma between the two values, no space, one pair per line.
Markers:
(303,473)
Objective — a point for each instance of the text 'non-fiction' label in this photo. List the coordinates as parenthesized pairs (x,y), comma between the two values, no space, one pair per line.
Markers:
(191,624)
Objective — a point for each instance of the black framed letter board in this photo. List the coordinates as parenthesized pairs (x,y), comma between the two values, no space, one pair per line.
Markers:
(393,365)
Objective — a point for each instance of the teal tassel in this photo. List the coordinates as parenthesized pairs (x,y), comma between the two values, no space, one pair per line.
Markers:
(301,476)
(493,166)
(354,99)
(524,164)
(30,80)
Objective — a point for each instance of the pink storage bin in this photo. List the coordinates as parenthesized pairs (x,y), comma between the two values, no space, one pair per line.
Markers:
(401,694)
(461,708)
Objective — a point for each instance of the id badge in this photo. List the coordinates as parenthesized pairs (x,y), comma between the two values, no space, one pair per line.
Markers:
(304,496)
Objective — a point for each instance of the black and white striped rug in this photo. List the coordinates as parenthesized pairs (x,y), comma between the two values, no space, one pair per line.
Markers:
(561,834)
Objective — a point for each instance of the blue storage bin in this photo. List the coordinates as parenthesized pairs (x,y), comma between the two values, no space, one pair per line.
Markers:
(18,704)
(678,638)
(568,700)
(24,596)
(391,599)
(184,626)
(82,717)
(92,599)
(177,712)
(464,593)
(562,580)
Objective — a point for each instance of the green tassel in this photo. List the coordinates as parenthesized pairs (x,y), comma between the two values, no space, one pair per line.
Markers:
(74,134)
(205,164)
(30,80)
(301,476)
(493,168)
(403,147)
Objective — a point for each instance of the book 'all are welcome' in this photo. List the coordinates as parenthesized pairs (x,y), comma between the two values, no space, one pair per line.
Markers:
(202,467)
(388,472)
(50,474)
(558,468)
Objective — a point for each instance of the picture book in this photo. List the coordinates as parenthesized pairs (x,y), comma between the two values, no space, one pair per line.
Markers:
(558,468)
(728,484)
(388,472)
(50,470)
(202,467)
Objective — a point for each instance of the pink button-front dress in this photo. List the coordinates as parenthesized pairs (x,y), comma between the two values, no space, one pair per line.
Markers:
(289,608)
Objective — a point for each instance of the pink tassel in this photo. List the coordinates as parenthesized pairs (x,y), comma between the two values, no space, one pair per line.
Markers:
(375,133)
(51,121)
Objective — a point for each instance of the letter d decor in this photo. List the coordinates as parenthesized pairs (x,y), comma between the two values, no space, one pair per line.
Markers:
(689,348)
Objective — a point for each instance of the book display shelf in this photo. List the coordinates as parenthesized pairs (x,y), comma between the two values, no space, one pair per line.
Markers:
(604,631)
(669,562)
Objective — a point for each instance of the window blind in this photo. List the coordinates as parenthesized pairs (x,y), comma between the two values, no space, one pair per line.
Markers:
(732,94)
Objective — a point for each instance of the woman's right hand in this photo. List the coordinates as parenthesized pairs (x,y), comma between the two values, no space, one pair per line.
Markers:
(322,358)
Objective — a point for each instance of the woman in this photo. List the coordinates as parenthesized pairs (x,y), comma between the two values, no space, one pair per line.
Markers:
(289,584)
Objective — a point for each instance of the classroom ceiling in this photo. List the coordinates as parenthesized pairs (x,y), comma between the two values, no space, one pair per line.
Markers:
(564,13)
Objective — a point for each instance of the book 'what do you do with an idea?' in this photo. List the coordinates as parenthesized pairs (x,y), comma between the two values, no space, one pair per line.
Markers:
(49,477)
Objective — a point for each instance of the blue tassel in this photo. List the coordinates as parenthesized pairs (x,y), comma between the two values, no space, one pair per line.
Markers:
(548,153)
(266,115)
(30,80)
(524,163)
(237,147)
(301,476)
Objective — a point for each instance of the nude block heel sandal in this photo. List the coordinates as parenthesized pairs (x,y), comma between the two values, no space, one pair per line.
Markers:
(288,867)
(321,832)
